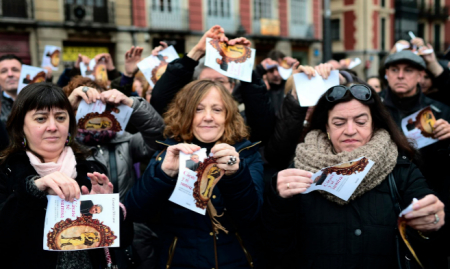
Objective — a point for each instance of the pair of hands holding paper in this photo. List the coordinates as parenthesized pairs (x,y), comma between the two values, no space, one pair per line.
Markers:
(91,95)
(67,188)
(291,182)
(221,152)
(215,32)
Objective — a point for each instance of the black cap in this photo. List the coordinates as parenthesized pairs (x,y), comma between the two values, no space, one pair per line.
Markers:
(405,56)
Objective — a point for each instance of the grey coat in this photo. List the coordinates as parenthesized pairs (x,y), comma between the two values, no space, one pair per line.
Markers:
(132,148)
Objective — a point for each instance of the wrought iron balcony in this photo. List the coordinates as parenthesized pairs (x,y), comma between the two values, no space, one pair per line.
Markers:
(301,31)
(16,9)
(431,13)
(102,11)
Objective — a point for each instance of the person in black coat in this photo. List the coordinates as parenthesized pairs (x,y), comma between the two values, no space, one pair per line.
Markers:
(259,112)
(324,231)
(43,160)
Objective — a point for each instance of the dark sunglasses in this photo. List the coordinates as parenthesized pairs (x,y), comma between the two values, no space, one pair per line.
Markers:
(360,92)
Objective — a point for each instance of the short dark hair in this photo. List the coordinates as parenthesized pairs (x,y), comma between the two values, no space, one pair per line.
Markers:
(38,96)
(10,57)
(275,55)
(381,119)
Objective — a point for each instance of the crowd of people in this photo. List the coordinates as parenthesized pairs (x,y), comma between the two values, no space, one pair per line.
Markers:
(265,143)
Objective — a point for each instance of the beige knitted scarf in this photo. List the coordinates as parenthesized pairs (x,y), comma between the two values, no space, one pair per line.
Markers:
(317,152)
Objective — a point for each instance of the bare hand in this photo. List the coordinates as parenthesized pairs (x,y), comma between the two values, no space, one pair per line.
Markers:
(82,58)
(423,216)
(216,32)
(240,41)
(290,61)
(418,42)
(100,184)
(91,96)
(266,63)
(162,46)
(324,70)
(49,74)
(132,58)
(222,153)
(115,97)
(441,129)
(309,71)
(60,184)
(170,165)
(293,181)
(108,60)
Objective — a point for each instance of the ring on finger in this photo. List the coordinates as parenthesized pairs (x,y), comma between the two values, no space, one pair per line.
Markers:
(85,89)
(113,96)
(436,219)
(232,160)
(288,185)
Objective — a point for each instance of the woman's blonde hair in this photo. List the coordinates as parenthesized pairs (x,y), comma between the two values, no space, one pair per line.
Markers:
(181,112)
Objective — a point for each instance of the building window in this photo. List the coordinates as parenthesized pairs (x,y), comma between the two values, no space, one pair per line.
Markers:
(262,9)
(219,8)
(299,9)
(383,34)
(14,8)
(92,3)
(162,5)
(437,37)
(383,3)
(421,30)
(335,29)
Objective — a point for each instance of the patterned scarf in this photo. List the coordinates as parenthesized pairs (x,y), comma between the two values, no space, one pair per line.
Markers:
(317,152)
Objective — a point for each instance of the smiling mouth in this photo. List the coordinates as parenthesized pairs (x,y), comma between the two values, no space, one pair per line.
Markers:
(350,141)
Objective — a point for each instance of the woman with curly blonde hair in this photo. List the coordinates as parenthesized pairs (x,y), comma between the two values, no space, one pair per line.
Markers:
(204,115)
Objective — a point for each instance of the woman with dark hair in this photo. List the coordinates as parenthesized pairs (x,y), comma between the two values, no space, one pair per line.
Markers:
(203,115)
(43,159)
(328,232)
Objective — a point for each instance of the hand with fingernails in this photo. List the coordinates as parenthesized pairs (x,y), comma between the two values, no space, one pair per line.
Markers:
(66,188)
(115,97)
(227,158)
(293,181)
(88,94)
(427,215)
(170,165)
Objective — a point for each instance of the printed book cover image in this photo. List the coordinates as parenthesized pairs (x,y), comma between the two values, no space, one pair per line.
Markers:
(90,222)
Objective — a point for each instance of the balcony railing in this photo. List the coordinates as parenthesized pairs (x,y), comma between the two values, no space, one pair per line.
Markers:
(168,15)
(16,9)
(301,30)
(229,24)
(432,13)
(103,13)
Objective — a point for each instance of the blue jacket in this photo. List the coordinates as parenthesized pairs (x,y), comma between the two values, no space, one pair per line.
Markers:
(186,237)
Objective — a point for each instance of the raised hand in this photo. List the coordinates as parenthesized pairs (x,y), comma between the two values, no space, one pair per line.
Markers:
(132,58)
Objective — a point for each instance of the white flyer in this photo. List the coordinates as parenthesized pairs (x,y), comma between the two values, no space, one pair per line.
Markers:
(309,91)
(93,221)
(153,67)
(183,193)
(30,75)
(232,61)
(419,127)
(284,73)
(341,179)
(95,70)
(51,57)
(103,117)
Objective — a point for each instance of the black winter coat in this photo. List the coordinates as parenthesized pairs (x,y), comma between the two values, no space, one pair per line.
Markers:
(22,217)
(323,234)
(259,111)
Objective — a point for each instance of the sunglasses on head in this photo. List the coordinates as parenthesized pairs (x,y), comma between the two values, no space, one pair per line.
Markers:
(360,92)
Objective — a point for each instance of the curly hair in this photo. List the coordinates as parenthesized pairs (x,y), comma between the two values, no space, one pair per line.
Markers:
(181,112)
(78,81)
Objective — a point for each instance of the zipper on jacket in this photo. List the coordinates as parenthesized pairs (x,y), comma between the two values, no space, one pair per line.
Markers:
(100,149)
(251,146)
(171,252)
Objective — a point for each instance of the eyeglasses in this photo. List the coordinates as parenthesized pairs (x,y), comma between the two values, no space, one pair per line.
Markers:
(360,92)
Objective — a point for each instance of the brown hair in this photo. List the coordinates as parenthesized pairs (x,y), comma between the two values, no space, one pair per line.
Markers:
(145,85)
(38,96)
(78,81)
(381,119)
(181,112)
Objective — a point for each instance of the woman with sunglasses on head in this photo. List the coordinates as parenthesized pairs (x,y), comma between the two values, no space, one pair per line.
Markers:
(327,232)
